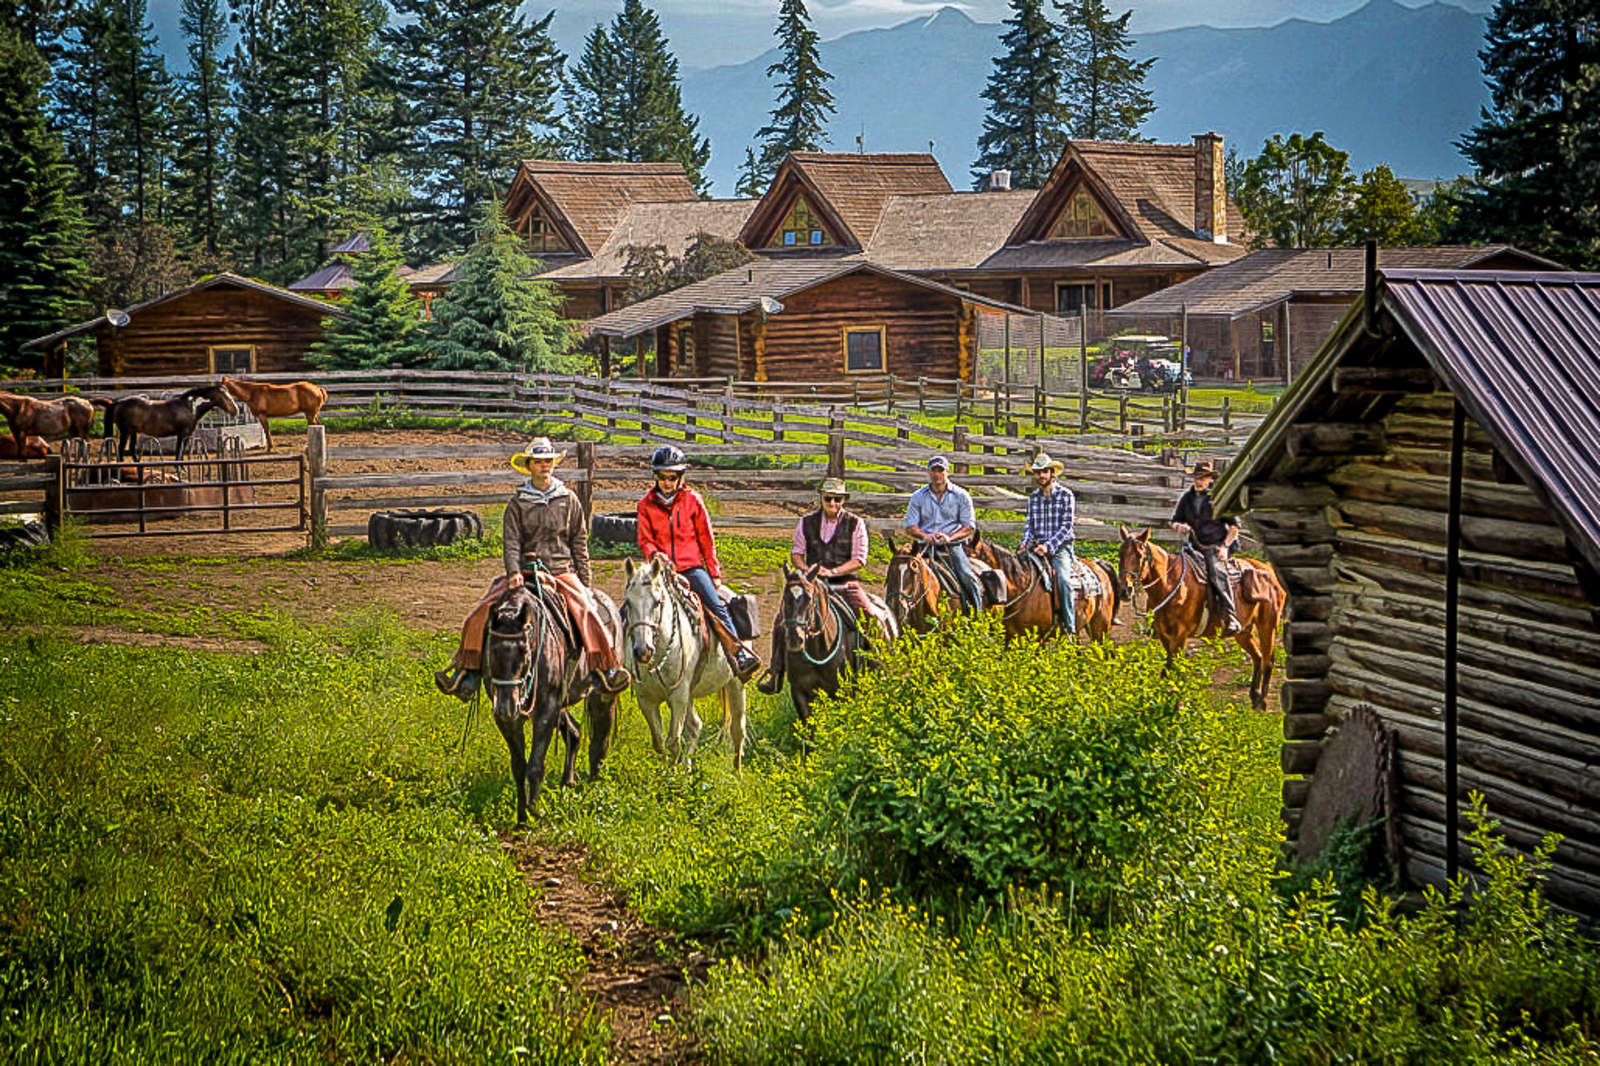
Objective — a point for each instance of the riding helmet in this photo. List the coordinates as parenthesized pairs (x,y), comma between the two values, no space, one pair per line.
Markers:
(668,457)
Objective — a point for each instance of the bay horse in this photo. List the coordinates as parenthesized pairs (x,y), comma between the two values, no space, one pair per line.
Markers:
(911,588)
(1178,585)
(27,416)
(176,417)
(533,676)
(278,401)
(820,636)
(1030,607)
(674,659)
(32,448)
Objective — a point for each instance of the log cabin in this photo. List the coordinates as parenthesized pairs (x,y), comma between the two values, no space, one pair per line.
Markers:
(1427,490)
(222,324)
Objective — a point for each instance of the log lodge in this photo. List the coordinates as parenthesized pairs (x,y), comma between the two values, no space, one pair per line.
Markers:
(1428,491)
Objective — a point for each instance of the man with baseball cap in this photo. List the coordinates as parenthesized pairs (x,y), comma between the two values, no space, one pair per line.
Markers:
(1212,537)
(942,517)
(1048,533)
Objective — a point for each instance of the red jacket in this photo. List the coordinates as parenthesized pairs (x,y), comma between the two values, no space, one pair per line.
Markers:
(682,531)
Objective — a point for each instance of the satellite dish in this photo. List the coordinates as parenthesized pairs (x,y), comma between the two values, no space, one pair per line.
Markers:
(116,317)
(769,306)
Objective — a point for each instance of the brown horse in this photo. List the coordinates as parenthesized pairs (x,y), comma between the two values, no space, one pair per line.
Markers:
(32,448)
(278,401)
(176,417)
(1030,607)
(911,589)
(1177,586)
(69,416)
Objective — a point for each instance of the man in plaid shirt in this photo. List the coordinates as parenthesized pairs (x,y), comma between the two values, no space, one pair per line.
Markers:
(1048,532)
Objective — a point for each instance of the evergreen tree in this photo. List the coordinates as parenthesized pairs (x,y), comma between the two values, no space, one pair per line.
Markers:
(1536,148)
(800,119)
(201,126)
(41,224)
(751,182)
(496,316)
(261,190)
(477,90)
(1295,193)
(1104,87)
(1025,126)
(1381,210)
(625,98)
(385,327)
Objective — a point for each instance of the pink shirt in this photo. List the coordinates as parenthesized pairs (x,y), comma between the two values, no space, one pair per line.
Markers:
(858,543)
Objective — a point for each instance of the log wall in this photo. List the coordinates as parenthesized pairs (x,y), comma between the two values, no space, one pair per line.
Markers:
(1357,529)
(173,338)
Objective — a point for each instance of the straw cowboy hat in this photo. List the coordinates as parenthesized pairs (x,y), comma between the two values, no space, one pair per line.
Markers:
(537,448)
(833,486)
(1043,461)
(1203,468)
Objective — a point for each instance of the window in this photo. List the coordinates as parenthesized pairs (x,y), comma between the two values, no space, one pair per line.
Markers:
(863,349)
(1081,218)
(1073,296)
(684,360)
(800,226)
(539,233)
(232,359)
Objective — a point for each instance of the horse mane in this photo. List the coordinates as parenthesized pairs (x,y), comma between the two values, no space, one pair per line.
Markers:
(207,391)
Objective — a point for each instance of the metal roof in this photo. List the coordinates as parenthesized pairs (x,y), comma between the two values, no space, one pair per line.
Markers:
(1520,350)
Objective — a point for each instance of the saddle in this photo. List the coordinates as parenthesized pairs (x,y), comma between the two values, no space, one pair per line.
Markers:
(556,606)
(1230,566)
(1082,578)
(992,588)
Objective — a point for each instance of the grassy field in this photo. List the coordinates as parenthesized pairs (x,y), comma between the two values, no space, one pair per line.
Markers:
(290,850)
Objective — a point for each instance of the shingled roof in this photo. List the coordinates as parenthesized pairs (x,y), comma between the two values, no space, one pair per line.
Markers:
(1272,275)
(674,226)
(849,190)
(586,200)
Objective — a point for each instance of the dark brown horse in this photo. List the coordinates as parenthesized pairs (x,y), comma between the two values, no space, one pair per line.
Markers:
(1176,584)
(911,588)
(278,401)
(821,638)
(69,416)
(176,417)
(1029,607)
(32,448)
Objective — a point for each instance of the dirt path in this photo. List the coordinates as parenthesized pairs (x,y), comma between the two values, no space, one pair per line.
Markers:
(631,983)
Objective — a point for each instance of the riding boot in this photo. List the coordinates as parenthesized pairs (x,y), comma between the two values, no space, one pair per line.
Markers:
(609,682)
(462,684)
(744,661)
(771,683)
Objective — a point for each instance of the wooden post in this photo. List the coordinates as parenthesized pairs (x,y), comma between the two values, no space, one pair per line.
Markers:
(987,429)
(855,392)
(1183,362)
(585,488)
(1008,347)
(835,452)
(1083,373)
(890,405)
(316,470)
(777,424)
(958,442)
(1038,407)
(55,495)
(1227,413)
(922,395)
(960,387)
(1122,414)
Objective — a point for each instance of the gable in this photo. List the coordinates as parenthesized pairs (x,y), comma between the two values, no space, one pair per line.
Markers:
(846,192)
(1081,217)
(1076,204)
(802,227)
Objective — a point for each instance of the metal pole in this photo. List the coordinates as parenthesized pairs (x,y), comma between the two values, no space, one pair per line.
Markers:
(1183,361)
(1288,347)
(1083,367)
(1452,590)
(1008,346)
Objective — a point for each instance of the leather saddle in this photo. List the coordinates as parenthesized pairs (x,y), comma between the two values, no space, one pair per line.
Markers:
(1083,577)
(1230,566)
(991,586)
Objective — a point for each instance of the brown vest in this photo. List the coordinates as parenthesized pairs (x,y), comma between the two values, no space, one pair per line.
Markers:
(828,553)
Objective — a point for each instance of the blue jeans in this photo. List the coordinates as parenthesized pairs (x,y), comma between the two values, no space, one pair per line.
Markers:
(1061,563)
(957,554)
(700,580)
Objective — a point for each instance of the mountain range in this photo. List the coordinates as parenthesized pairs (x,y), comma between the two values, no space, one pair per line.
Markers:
(1387,83)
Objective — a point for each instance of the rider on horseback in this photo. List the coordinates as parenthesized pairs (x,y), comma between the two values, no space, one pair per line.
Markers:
(544,526)
(1211,537)
(1048,532)
(673,522)
(941,516)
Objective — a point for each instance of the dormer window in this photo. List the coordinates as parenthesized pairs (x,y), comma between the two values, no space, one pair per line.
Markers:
(801,228)
(1081,218)
(539,233)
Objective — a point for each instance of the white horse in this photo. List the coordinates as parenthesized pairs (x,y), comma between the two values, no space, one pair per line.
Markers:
(675,661)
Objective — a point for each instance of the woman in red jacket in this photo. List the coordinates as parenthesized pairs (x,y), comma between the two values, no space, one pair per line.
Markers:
(673,522)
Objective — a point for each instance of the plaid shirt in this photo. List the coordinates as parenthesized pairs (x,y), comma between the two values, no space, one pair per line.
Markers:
(1050,518)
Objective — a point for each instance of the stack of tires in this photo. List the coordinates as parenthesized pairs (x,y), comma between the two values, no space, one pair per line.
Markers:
(614,528)
(421,529)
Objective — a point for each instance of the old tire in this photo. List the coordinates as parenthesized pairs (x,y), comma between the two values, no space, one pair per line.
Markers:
(421,529)
(615,528)
(30,534)
(380,531)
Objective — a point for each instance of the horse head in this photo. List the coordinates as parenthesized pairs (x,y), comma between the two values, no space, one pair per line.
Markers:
(507,653)
(1135,559)
(803,596)
(644,599)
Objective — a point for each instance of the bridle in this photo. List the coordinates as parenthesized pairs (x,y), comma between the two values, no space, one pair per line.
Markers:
(904,603)
(1147,561)
(526,678)
(816,624)
(663,603)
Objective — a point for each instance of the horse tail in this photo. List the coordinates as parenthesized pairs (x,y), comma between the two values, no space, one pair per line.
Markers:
(1118,594)
(727,715)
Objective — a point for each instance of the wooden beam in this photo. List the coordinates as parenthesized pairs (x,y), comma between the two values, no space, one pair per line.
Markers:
(1334,438)
(1384,379)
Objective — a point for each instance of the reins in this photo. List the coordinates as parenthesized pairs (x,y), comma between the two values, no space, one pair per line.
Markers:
(822,606)
(668,602)
(526,680)
(1147,557)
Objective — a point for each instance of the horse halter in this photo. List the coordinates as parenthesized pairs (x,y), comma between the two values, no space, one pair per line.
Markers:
(664,602)
(907,602)
(524,679)
(817,623)
(1147,561)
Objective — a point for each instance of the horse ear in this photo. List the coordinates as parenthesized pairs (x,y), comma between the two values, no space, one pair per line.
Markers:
(627,568)
(658,566)
(1124,531)
(888,538)
(1144,538)
(811,571)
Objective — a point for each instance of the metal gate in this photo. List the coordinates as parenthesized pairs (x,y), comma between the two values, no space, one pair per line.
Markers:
(196,496)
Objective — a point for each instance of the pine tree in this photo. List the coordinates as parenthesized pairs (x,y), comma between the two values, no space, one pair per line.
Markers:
(478,91)
(626,100)
(496,317)
(1103,86)
(261,187)
(1380,210)
(751,181)
(800,119)
(41,224)
(1025,126)
(1295,193)
(385,327)
(1537,147)
(202,122)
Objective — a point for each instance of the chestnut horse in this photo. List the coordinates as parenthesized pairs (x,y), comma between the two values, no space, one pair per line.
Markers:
(911,589)
(1030,607)
(159,418)
(32,448)
(69,416)
(278,401)
(1177,585)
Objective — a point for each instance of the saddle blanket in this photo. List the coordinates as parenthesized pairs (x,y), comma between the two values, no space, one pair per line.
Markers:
(1083,577)
(1233,567)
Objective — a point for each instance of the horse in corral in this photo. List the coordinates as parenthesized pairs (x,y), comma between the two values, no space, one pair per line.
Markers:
(32,448)
(674,659)
(1177,584)
(27,416)
(820,635)
(1030,607)
(534,674)
(278,401)
(176,417)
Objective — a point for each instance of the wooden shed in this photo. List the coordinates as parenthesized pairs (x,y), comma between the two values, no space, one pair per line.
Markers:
(1428,489)
(808,319)
(223,324)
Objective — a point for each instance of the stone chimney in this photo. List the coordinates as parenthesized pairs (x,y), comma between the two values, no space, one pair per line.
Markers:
(1210,189)
(999,181)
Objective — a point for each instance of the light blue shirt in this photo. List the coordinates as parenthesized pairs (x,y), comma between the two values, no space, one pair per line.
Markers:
(933,514)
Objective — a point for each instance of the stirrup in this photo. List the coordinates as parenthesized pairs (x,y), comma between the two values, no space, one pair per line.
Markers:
(752,663)
(771,684)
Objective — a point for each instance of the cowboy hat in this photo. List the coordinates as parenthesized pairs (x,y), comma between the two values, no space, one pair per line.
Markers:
(1043,461)
(1203,468)
(537,448)
(833,486)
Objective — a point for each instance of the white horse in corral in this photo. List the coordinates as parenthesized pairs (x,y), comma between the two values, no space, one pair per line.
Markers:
(674,660)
